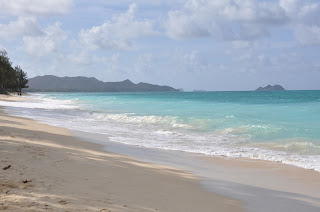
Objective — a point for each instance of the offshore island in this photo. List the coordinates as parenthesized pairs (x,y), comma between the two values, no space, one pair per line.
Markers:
(271,88)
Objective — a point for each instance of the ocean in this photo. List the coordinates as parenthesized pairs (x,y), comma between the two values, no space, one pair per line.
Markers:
(282,126)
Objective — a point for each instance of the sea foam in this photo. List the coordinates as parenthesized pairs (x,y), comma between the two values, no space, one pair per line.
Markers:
(200,135)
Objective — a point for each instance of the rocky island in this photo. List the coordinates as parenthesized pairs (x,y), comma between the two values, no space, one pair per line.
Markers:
(271,88)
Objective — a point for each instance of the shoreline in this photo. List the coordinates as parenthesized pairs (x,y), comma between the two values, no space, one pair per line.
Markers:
(153,130)
(64,173)
(257,185)
(262,185)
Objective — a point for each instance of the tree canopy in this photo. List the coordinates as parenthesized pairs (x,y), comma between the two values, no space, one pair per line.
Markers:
(12,79)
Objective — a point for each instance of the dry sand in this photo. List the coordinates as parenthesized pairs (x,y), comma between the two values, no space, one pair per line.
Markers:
(11,98)
(44,168)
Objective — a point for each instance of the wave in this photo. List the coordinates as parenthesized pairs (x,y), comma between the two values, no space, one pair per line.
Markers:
(38,102)
(220,146)
(138,119)
(293,145)
(172,132)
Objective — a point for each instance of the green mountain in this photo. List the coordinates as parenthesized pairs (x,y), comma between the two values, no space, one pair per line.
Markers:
(50,83)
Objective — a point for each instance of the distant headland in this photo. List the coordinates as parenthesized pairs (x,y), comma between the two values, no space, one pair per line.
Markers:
(50,83)
(271,88)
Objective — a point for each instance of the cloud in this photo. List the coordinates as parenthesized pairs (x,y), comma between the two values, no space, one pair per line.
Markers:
(245,20)
(23,15)
(80,58)
(305,20)
(143,2)
(87,58)
(240,44)
(23,26)
(118,32)
(308,35)
(224,19)
(189,61)
(49,42)
(302,11)
(144,64)
(36,7)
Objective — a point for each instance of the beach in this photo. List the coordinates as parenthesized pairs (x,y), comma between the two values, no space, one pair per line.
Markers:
(49,170)
(261,185)
(172,106)
(62,171)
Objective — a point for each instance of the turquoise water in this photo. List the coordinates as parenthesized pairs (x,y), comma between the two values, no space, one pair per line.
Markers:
(262,116)
(280,126)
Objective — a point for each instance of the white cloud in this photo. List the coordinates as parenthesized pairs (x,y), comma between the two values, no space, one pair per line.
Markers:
(144,64)
(302,11)
(189,61)
(49,42)
(36,41)
(87,58)
(35,7)
(117,33)
(80,58)
(240,44)
(290,6)
(142,2)
(305,20)
(224,19)
(244,20)
(23,26)
(308,35)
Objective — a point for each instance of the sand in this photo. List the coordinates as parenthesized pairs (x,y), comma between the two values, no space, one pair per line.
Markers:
(65,173)
(44,168)
(11,98)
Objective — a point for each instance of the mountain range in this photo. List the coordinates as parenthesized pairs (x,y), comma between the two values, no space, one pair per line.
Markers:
(50,83)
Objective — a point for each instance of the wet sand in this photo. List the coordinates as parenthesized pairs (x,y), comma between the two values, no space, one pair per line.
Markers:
(44,168)
(89,171)
(262,185)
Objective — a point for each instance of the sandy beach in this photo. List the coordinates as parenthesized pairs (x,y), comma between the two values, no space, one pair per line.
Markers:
(47,168)
(44,168)
(261,185)
(172,106)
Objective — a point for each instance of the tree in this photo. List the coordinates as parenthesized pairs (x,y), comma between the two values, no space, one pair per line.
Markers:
(21,77)
(11,79)
(5,71)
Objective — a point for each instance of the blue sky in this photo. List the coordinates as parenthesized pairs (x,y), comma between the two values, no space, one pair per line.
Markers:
(189,44)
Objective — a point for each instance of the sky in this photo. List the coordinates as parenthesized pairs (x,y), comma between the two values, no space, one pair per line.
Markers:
(217,45)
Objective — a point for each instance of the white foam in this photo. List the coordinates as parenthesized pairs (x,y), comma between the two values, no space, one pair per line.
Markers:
(38,102)
(167,133)
(136,119)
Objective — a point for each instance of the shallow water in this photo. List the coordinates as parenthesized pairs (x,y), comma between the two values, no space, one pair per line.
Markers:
(277,126)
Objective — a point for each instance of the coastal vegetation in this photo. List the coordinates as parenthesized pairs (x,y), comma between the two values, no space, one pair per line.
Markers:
(12,79)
